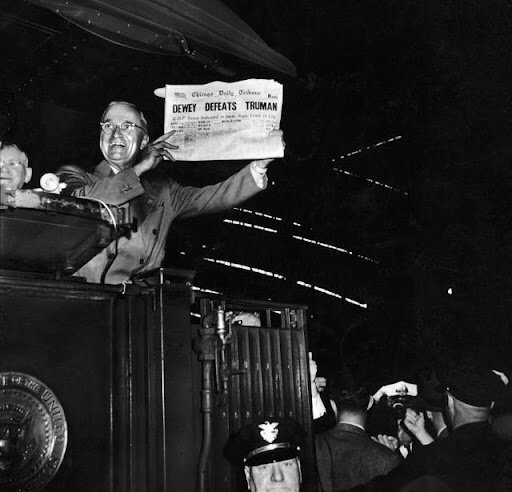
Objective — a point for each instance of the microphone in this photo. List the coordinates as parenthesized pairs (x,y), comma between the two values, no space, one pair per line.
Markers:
(51,183)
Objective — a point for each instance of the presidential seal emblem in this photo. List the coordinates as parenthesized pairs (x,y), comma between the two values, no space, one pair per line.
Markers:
(33,433)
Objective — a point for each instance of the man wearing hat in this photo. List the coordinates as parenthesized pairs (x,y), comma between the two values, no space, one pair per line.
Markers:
(269,451)
(471,457)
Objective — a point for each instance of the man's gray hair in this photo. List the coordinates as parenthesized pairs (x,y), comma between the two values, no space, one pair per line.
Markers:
(143,121)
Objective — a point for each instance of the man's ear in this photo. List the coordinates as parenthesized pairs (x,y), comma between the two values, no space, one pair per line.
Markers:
(145,141)
(247,476)
(28,174)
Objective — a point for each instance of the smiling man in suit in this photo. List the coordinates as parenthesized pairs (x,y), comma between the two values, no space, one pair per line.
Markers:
(123,178)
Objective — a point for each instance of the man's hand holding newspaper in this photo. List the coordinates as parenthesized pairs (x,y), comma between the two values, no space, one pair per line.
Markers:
(225,121)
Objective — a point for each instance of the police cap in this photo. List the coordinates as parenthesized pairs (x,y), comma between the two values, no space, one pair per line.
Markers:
(266,441)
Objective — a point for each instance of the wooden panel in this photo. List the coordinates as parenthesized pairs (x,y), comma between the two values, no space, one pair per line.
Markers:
(66,339)
(119,361)
(179,410)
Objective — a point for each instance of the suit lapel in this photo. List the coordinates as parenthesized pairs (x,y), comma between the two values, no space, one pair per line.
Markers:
(137,206)
(103,170)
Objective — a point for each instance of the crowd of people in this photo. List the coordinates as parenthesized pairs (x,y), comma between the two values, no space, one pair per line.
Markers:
(436,436)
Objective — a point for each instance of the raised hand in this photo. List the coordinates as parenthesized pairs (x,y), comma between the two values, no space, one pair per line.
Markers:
(415,422)
(388,441)
(261,164)
(154,152)
(321,383)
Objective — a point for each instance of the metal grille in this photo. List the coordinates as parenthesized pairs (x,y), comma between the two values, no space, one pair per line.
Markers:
(268,377)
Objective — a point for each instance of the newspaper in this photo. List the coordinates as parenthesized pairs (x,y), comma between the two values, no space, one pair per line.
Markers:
(225,121)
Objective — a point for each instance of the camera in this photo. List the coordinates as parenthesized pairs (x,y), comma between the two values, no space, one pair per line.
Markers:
(399,404)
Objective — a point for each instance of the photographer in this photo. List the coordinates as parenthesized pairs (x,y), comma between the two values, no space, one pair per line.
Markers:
(407,419)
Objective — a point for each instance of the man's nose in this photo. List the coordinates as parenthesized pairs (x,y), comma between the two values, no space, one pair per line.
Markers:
(277,473)
(117,130)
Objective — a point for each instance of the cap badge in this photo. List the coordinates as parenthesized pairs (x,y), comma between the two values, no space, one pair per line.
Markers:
(269,431)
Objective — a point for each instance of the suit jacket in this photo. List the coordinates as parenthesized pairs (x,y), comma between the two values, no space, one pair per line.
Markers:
(347,457)
(155,202)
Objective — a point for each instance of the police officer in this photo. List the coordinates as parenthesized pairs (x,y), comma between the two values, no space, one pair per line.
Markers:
(269,451)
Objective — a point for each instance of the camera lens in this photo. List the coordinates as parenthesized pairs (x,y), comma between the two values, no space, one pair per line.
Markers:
(399,410)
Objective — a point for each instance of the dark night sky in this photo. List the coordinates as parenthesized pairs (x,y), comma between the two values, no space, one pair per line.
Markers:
(436,73)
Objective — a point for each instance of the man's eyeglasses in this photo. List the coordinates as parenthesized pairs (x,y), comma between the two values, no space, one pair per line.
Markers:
(11,164)
(125,127)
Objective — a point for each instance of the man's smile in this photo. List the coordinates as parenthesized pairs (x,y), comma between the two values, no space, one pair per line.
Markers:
(117,144)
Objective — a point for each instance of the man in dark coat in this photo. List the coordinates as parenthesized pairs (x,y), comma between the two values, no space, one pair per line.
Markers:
(123,179)
(346,455)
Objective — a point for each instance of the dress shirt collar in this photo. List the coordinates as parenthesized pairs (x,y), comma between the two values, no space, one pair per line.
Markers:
(350,423)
